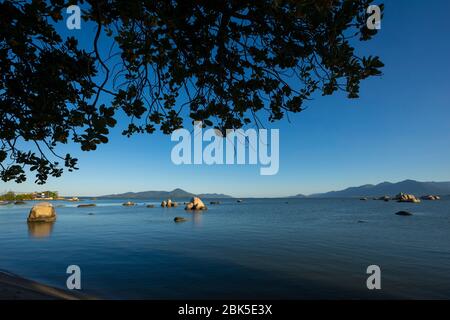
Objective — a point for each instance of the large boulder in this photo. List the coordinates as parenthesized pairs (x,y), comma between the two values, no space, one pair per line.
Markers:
(42,212)
(404,197)
(195,204)
(198,204)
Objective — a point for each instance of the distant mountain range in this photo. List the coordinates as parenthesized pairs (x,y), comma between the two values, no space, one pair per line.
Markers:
(368,190)
(174,194)
(387,188)
(299,196)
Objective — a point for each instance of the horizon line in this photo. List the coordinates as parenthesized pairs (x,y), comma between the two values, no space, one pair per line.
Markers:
(232,196)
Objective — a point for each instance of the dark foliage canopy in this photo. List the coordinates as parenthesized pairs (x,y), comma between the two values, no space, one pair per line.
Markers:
(228,63)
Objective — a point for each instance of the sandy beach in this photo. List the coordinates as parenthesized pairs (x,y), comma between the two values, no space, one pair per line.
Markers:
(13,287)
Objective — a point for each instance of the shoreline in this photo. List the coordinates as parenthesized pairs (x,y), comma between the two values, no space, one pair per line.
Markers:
(14,287)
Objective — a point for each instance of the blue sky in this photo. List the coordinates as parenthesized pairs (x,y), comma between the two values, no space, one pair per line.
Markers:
(398,129)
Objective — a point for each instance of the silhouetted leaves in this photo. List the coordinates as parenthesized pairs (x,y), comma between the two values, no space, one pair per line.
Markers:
(227,63)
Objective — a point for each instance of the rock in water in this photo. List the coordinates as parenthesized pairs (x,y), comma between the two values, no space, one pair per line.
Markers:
(196,204)
(129,204)
(168,204)
(86,205)
(42,212)
(404,213)
(150,206)
(189,206)
(430,197)
(403,197)
(179,219)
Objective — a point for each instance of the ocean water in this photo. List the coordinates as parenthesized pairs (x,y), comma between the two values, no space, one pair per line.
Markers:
(260,248)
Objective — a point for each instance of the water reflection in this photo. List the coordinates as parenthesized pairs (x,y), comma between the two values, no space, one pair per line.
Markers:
(40,230)
(197,218)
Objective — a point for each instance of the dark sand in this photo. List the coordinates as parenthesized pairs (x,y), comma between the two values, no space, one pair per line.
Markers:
(13,287)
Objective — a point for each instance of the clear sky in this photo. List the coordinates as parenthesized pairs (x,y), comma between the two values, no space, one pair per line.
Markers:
(398,129)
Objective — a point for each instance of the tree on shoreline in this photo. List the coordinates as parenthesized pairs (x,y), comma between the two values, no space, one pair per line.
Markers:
(227,63)
(12,196)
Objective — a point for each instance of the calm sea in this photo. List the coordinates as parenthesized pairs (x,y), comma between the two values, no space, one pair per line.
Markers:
(260,248)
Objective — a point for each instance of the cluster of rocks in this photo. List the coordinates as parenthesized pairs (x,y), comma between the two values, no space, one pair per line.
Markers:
(168,204)
(404,197)
(45,212)
(195,204)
